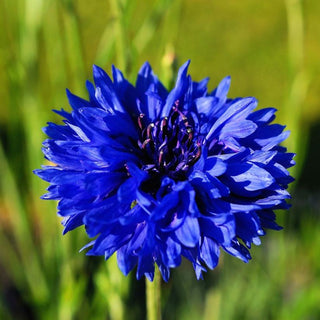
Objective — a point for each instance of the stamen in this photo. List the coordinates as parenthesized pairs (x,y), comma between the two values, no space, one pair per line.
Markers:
(184,138)
(127,169)
(164,143)
(190,135)
(141,116)
(145,142)
(150,126)
(163,125)
(180,166)
(160,159)
(170,144)
(174,116)
(195,157)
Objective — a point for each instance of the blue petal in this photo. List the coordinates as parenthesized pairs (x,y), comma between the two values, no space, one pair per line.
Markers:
(189,232)
(154,103)
(125,91)
(133,216)
(64,114)
(126,261)
(146,201)
(200,88)
(205,105)
(265,115)
(212,187)
(146,77)
(145,267)
(268,144)
(198,270)
(222,90)
(209,252)
(214,166)
(238,129)
(72,222)
(221,228)
(119,81)
(175,221)
(146,255)
(169,202)
(172,253)
(57,132)
(108,243)
(101,78)
(281,174)
(238,250)
(263,157)
(105,93)
(285,159)
(165,272)
(267,219)
(47,173)
(249,177)
(139,238)
(116,124)
(95,116)
(267,137)
(137,173)
(103,217)
(77,102)
(116,159)
(127,191)
(102,183)
(192,255)
(79,132)
(91,90)
(248,225)
(237,111)
(178,91)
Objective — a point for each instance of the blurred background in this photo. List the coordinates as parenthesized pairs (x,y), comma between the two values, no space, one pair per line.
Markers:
(270,49)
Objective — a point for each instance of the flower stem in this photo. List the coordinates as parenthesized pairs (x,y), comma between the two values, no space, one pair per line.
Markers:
(118,12)
(153,296)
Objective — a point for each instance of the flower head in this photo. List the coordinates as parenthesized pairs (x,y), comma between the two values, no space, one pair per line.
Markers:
(157,175)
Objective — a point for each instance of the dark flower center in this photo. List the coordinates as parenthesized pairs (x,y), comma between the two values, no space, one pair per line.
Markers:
(170,145)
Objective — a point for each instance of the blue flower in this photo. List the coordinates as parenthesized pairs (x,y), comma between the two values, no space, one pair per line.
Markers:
(156,176)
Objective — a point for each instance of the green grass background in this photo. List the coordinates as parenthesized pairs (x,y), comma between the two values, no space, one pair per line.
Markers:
(270,49)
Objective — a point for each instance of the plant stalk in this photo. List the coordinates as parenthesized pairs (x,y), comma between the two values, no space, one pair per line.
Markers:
(153,296)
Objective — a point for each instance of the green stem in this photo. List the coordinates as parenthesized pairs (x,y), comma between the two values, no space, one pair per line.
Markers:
(153,295)
(118,13)
(299,83)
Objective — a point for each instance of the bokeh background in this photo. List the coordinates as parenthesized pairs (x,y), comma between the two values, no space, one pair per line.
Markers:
(270,49)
